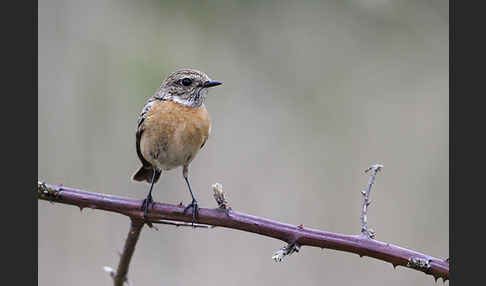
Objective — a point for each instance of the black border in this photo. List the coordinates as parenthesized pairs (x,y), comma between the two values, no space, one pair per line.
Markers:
(467,127)
(19,22)
(19,134)
(35,170)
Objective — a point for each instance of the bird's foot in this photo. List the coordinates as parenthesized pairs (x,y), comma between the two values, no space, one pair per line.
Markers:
(227,211)
(195,209)
(146,204)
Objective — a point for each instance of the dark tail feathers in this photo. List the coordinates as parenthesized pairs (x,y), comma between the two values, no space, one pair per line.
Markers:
(145,174)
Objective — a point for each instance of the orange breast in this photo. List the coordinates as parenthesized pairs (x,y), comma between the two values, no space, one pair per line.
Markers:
(173,134)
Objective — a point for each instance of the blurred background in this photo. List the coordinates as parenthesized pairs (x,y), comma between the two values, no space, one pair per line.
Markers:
(314,93)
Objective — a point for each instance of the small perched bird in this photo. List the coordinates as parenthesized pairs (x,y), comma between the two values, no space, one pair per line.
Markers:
(173,126)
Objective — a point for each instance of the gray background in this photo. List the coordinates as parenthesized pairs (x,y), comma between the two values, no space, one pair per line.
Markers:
(314,92)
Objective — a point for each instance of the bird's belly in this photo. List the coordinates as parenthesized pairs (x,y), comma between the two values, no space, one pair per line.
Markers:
(175,156)
(168,150)
(173,134)
(168,161)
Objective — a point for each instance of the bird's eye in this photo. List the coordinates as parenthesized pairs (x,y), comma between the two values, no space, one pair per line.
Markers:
(186,81)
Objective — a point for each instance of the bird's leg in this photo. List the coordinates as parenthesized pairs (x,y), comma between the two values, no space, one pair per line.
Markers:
(193,204)
(146,203)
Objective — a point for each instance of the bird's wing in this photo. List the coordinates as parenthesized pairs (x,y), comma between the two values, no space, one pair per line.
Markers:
(204,142)
(207,135)
(140,128)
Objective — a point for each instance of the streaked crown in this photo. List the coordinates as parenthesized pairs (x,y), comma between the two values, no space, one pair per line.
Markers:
(186,86)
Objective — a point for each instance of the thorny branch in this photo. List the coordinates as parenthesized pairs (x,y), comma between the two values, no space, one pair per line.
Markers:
(369,233)
(294,236)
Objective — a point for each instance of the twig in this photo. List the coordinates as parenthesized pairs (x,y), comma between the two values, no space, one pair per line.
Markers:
(236,220)
(120,276)
(369,233)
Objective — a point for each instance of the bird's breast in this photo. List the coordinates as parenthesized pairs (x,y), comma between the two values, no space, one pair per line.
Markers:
(173,134)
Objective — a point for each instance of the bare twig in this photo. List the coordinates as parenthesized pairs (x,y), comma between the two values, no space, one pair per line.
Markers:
(369,233)
(120,276)
(291,234)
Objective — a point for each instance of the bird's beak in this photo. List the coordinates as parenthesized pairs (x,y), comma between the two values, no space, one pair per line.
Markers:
(211,83)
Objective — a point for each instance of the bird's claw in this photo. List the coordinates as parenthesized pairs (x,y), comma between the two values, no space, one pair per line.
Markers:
(146,204)
(195,209)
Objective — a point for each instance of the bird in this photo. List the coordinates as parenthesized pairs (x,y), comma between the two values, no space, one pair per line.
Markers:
(171,129)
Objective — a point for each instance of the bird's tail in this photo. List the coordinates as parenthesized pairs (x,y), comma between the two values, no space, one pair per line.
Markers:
(145,174)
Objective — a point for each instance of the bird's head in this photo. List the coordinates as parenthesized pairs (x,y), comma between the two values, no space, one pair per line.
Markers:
(186,86)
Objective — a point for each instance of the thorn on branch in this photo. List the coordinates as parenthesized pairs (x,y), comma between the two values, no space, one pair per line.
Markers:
(369,233)
(110,271)
(286,251)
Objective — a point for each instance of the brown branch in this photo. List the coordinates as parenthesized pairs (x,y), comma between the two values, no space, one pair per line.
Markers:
(295,236)
(121,273)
